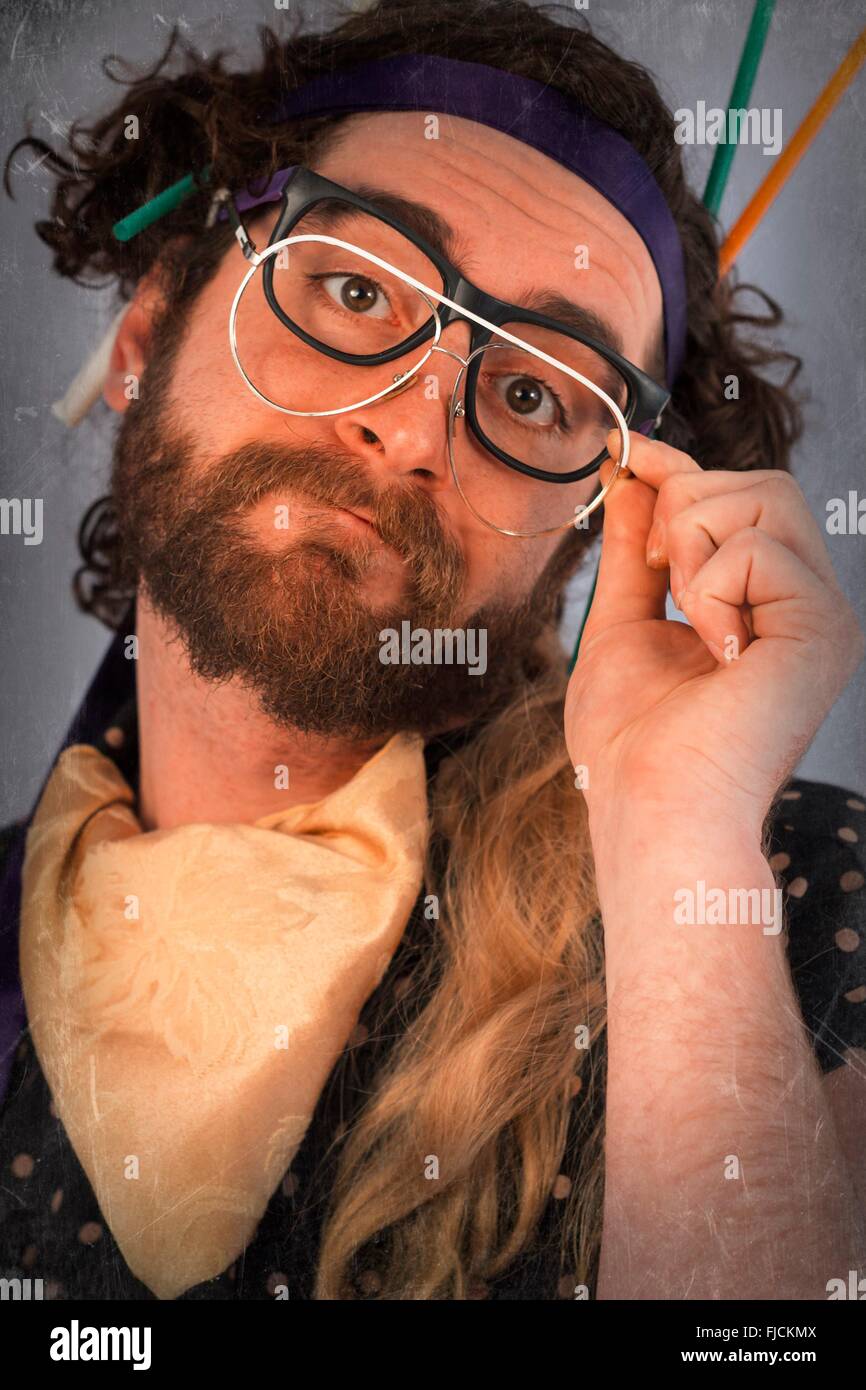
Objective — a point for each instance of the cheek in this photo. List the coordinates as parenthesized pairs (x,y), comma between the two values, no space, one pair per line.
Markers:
(514,501)
(503,569)
(210,400)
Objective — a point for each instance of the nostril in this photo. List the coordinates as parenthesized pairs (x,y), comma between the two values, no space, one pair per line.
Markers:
(368,436)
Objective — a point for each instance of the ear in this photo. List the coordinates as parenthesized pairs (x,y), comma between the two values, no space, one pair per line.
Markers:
(129,353)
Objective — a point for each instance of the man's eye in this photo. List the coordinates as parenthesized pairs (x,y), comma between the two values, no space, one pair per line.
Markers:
(529,398)
(358,294)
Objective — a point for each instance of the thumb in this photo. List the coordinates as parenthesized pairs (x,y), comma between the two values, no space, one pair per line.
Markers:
(627,590)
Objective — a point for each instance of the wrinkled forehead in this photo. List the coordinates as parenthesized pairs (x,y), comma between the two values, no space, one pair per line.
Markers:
(519,220)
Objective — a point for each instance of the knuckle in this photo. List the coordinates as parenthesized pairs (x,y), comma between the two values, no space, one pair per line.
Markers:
(677,528)
(674,494)
(747,538)
(783,484)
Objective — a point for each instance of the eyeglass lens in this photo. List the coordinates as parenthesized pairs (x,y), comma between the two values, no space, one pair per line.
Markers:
(514,403)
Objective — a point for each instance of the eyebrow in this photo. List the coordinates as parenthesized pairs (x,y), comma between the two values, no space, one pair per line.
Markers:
(433,228)
(576,316)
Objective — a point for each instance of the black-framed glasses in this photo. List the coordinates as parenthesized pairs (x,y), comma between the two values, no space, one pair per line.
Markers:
(361,293)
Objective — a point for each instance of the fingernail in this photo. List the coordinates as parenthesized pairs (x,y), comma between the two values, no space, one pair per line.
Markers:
(613,443)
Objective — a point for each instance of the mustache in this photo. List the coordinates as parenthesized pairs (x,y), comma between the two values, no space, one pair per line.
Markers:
(405,516)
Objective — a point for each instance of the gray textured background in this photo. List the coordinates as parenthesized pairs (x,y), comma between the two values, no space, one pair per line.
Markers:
(809,254)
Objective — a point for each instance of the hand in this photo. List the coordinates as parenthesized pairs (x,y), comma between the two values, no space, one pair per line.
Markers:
(704,722)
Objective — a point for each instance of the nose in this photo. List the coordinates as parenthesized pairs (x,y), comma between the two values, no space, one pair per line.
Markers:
(405,434)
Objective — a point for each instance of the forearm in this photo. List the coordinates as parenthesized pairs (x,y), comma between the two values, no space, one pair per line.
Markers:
(723,1174)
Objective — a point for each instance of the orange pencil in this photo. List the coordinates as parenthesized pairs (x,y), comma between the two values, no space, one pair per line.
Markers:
(792,154)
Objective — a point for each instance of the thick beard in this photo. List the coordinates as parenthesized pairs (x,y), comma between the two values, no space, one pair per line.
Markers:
(290,624)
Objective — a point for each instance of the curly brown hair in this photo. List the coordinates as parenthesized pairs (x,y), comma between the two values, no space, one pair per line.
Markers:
(198,112)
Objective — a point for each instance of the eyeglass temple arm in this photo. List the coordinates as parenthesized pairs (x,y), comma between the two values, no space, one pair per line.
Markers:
(170,198)
(224,198)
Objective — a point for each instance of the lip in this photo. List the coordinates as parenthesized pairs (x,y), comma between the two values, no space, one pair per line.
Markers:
(359,520)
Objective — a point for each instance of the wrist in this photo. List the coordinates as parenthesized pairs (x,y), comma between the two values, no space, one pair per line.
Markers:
(687,911)
(671,829)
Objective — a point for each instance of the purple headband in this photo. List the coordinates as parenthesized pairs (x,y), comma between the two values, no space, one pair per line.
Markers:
(527,110)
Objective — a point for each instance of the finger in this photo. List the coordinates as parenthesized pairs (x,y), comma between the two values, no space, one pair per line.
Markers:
(786,599)
(695,533)
(651,460)
(627,590)
(712,505)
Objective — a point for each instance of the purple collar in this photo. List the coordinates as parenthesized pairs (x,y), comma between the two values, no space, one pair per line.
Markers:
(526,110)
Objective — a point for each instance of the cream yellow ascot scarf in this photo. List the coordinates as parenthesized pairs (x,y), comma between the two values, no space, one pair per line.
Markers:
(189,990)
